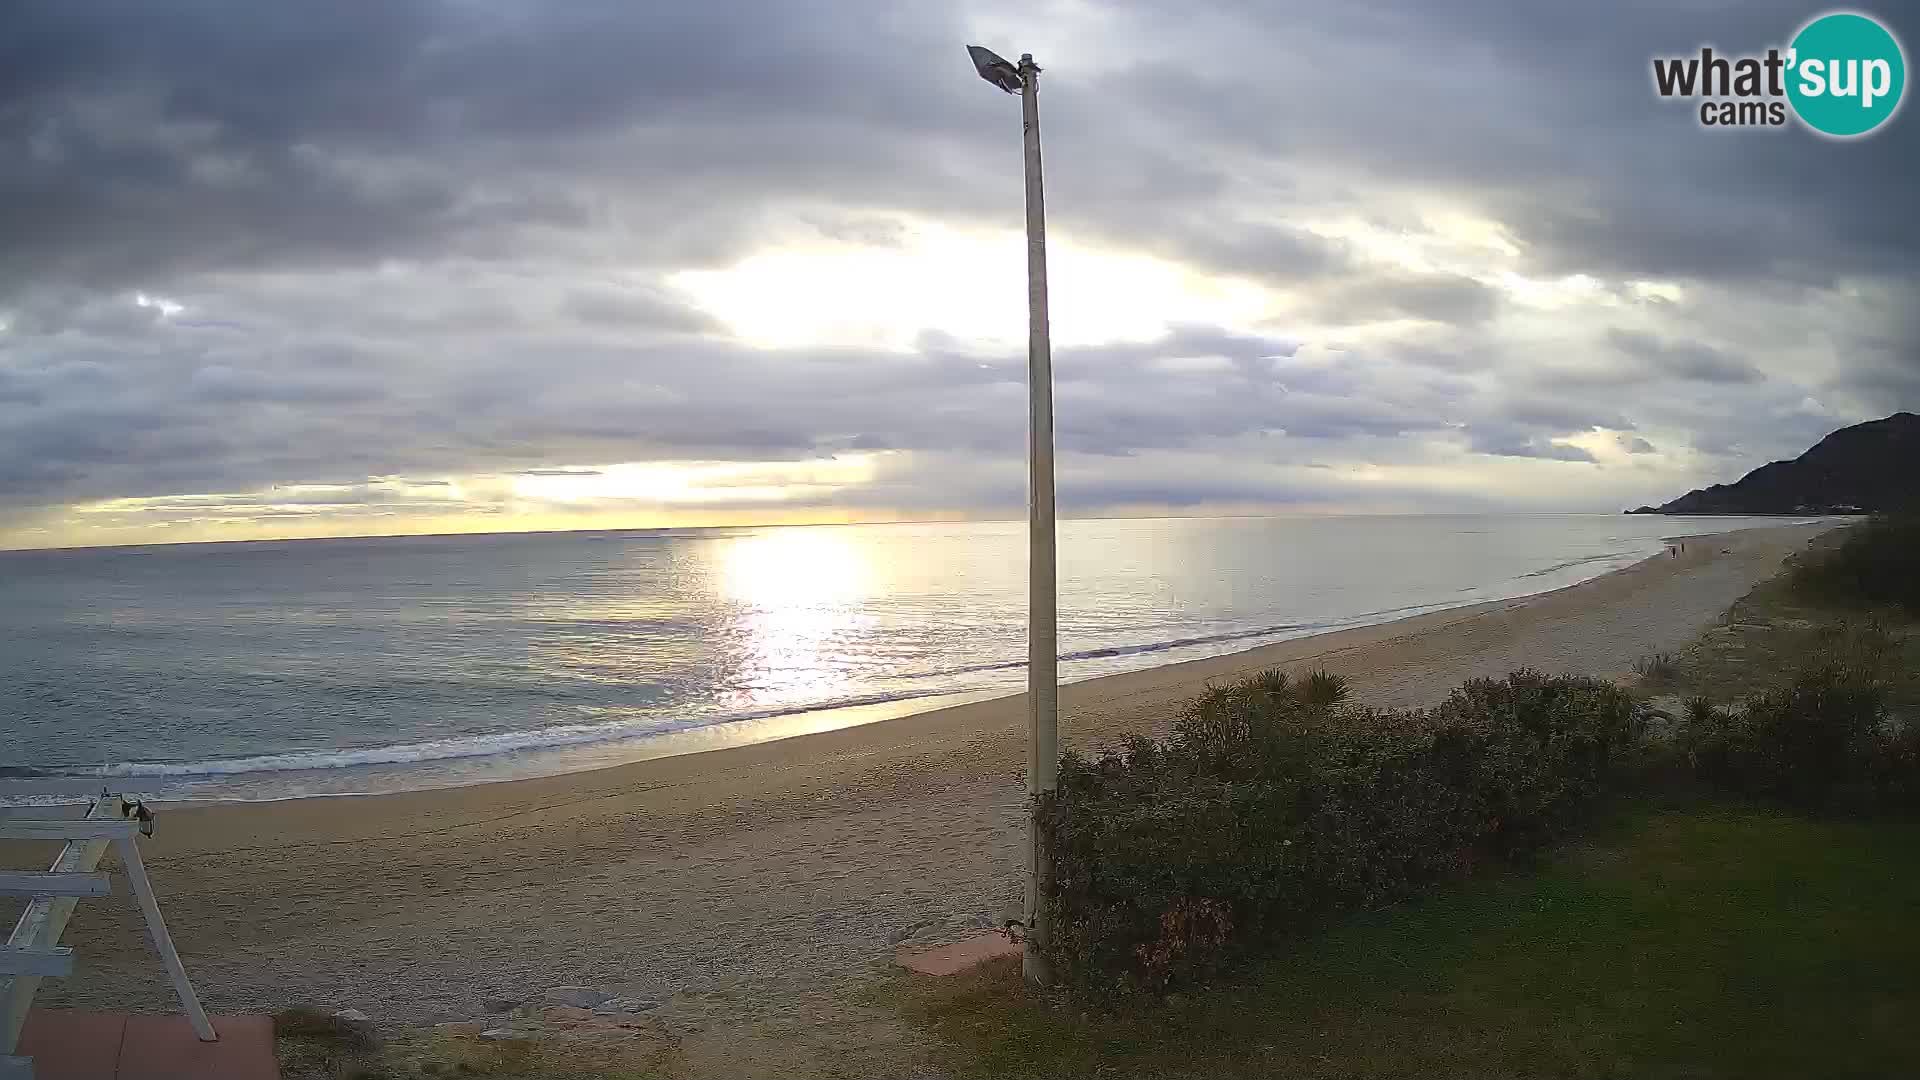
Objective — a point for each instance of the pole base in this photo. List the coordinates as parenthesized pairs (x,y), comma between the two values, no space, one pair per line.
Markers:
(1034,967)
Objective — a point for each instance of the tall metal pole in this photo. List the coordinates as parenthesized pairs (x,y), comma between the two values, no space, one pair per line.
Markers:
(1043,742)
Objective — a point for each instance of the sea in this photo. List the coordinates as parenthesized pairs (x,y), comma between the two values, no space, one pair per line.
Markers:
(278,669)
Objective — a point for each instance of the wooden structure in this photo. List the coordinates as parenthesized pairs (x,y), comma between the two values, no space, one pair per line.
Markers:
(33,952)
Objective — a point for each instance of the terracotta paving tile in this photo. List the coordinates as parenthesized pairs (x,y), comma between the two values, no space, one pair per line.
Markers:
(72,1045)
(68,1045)
(959,956)
(165,1048)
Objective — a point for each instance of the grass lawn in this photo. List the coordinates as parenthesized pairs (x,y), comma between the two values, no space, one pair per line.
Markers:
(1686,939)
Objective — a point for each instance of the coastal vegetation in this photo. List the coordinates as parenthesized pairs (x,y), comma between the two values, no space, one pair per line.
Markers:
(1656,669)
(1537,877)
(1682,935)
(1274,805)
(1874,566)
(1806,693)
(1847,601)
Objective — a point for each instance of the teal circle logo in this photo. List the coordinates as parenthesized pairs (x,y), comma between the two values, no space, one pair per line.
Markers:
(1845,74)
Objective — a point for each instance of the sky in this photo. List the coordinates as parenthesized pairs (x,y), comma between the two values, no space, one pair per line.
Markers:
(387,266)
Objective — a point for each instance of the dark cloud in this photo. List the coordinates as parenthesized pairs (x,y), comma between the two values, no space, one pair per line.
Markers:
(1267,253)
(243,245)
(1447,298)
(1682,360)
(616,306)
(217,135)
(1564,416)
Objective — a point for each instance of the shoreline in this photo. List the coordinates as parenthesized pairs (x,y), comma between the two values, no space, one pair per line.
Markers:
(1018,518)
(431,767)
(728,881)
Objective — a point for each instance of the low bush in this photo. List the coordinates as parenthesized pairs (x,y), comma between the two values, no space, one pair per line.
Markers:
(1825,742)
(1274,803)
(1876,566)
(1657,669)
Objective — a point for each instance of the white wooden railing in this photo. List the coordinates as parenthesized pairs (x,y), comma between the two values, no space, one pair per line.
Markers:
(33,952)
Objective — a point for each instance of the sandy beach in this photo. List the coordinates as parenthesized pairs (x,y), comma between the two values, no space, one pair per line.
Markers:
(746,878)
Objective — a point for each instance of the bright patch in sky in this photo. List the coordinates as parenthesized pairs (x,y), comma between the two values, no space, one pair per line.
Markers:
(166,307)
(1570,291)
(1446,242)
(684,483)
(966,285)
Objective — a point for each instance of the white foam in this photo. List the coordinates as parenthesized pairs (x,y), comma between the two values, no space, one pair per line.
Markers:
(466,746)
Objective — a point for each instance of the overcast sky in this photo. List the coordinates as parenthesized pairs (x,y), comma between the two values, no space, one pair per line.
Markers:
(398,265)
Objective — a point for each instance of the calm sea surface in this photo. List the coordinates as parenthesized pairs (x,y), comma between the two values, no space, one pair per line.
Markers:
(265,670)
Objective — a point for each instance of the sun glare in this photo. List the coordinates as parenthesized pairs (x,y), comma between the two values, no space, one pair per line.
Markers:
(966,285)
(793,568)
(801,593)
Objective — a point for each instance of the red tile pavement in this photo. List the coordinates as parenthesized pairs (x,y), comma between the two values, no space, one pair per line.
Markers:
(114,1046)
(72,1045)
(959,956)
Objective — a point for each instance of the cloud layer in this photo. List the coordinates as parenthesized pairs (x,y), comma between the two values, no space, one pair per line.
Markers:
(372,264)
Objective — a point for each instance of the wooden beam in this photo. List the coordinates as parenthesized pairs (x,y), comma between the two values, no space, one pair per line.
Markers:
(54,963)
(129,850)
(47,883)
(41,925)
(67,828)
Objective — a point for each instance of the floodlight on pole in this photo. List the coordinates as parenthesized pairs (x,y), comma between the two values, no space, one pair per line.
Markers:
(995,69)
(1043,673)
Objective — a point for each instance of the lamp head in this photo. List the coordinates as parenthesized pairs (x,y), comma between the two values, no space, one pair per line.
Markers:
(996,70)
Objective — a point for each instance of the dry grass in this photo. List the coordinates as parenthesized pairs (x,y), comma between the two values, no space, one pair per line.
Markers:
(1779,629)
(313,1044)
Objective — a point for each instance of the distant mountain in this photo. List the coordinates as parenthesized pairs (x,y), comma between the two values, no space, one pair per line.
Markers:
(1864,468)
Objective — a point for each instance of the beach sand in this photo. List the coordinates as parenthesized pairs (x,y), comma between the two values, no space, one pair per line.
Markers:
(743,880)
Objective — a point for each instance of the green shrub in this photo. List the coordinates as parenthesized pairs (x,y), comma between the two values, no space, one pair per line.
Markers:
(1876,566)
(1706,736)
(1274,803)
(1823,742)
(1810,743)
(1894,771)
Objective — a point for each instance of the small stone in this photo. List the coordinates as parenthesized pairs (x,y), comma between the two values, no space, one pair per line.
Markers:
(352,1016)
(906,932)
(583,997)
(501,1004)
(501,1035)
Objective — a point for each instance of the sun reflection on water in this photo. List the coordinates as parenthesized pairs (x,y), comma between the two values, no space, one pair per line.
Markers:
(800,610)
